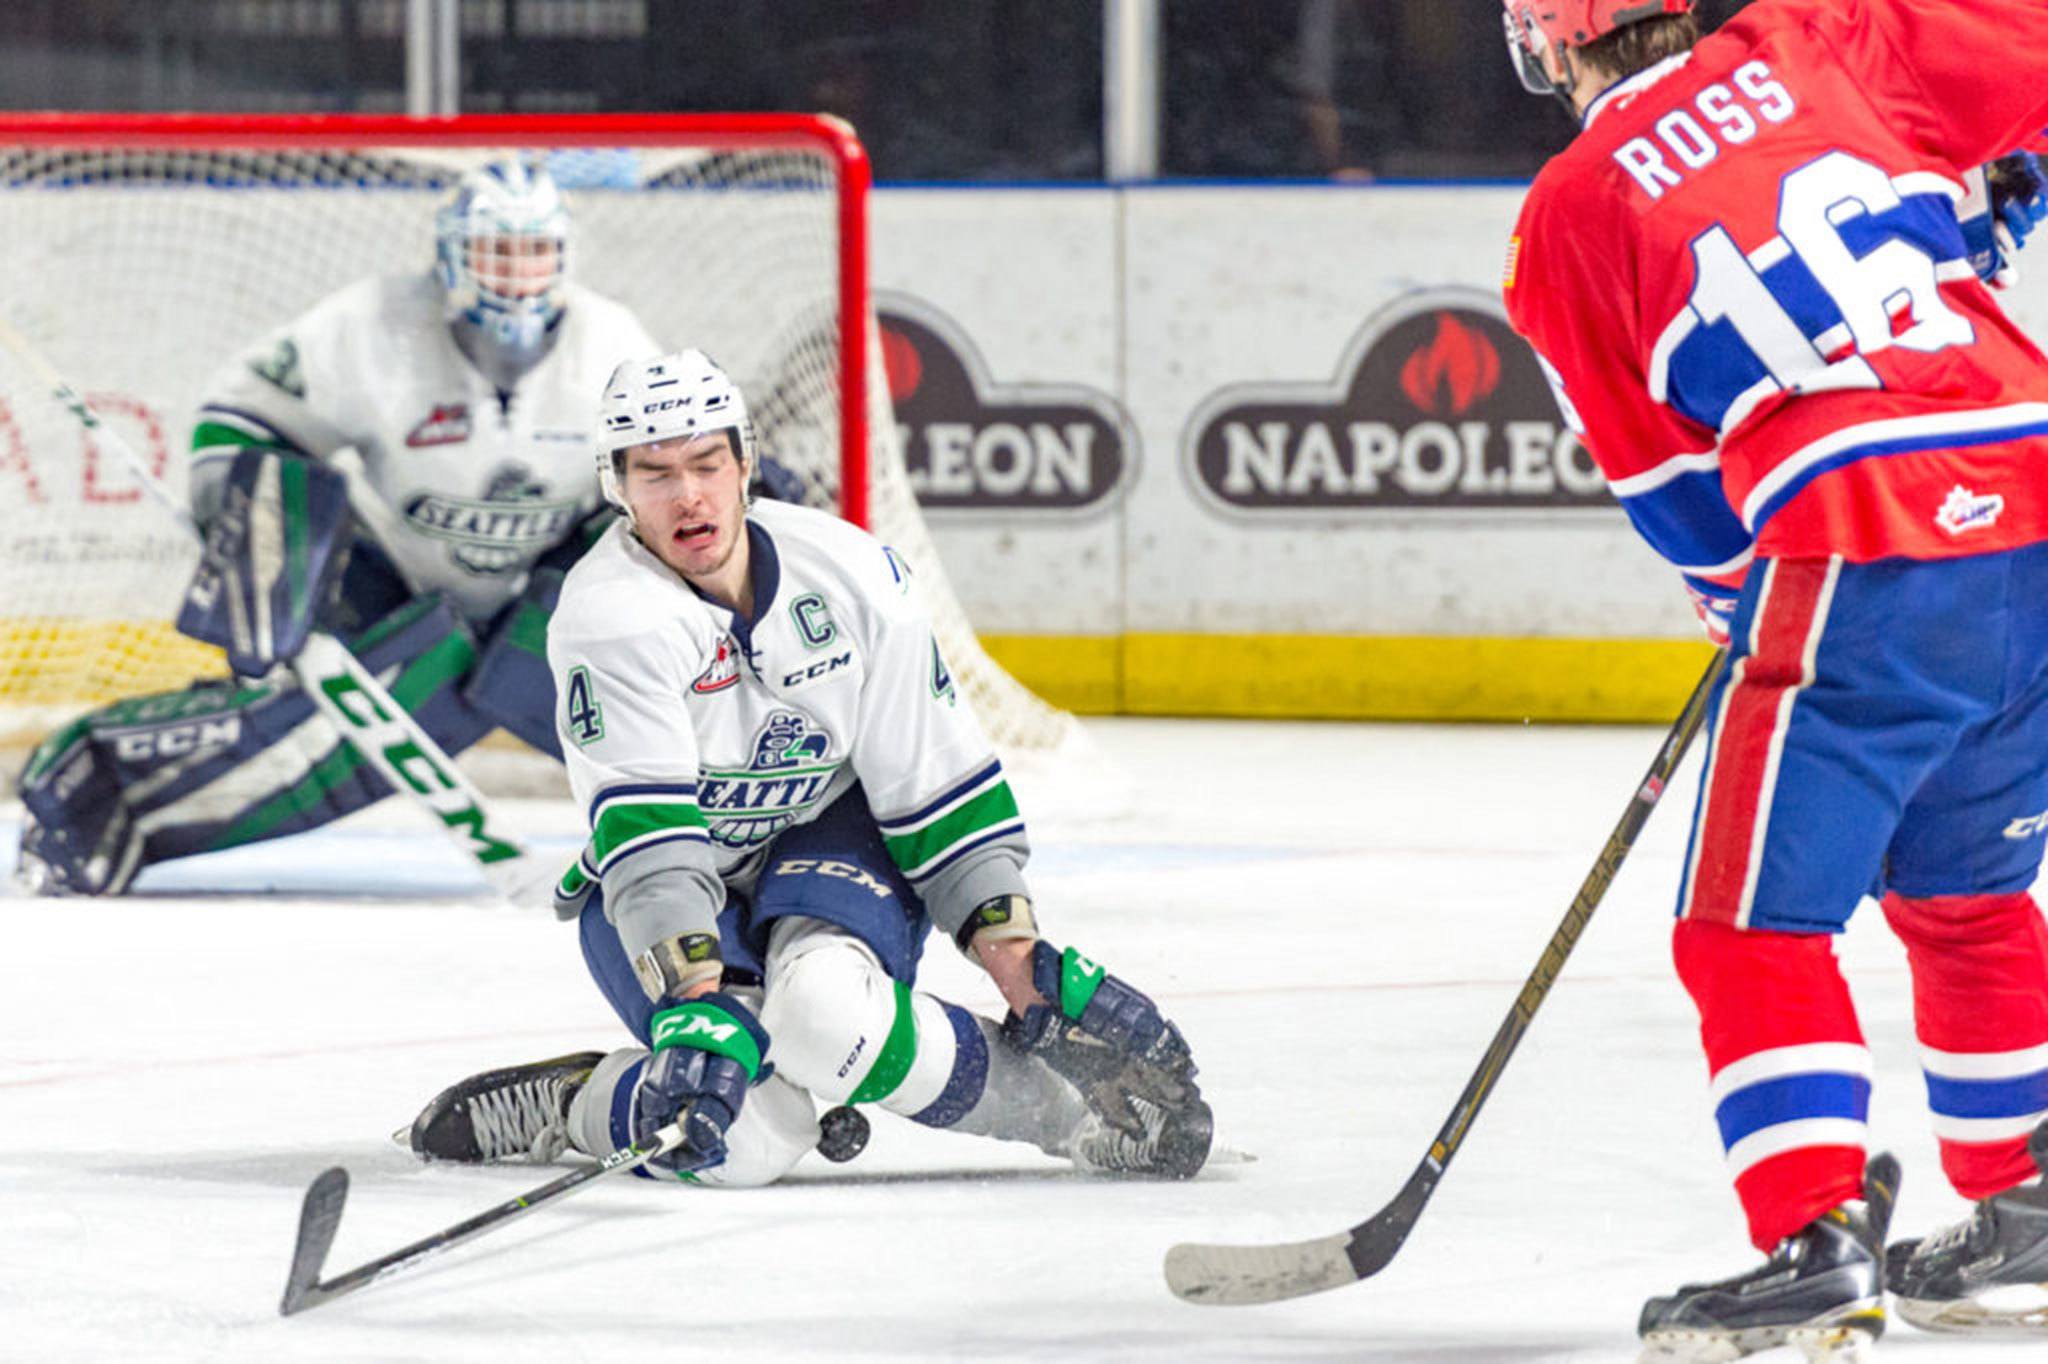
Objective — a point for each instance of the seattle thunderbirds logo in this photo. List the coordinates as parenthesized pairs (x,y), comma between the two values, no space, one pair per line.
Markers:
(785,777)
(787,743)
(500,531)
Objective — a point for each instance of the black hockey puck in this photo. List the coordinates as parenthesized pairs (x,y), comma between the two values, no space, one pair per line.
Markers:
(842,1134)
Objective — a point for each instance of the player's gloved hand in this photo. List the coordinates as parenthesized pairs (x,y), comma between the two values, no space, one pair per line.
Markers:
(1716,613)
(707,1052)
(1996,224)
(1104,1036)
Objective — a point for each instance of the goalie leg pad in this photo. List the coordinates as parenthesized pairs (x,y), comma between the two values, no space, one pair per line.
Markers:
(274,555)
(78,838)
(511,682)
(224,763)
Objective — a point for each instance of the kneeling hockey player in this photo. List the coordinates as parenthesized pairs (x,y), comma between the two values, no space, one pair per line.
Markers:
(466,391)
(785,795)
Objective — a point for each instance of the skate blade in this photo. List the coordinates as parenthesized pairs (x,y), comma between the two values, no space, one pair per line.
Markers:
(1846,1336)
(2013,1310)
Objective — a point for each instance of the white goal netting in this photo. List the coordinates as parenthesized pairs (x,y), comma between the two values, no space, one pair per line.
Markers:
(135,268)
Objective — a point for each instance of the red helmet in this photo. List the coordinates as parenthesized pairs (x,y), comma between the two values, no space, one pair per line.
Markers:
(1534,25)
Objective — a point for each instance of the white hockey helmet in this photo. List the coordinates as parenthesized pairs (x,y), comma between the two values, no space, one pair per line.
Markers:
(669,397)
(502,257)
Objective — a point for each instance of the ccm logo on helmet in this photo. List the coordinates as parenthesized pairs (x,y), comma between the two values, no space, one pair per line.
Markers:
(1731,115)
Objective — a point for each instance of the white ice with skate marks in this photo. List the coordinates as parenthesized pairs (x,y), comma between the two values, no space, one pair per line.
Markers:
(1337,915)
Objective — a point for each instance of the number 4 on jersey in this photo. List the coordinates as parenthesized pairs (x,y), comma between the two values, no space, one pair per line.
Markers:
(585,715)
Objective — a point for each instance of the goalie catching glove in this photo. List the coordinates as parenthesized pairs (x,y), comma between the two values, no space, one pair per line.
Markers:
(707,1052)
(1109,1040)
(274,556)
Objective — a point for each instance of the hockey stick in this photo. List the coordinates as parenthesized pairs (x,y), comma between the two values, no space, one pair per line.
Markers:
(1231,1275)
(320,1218)
(380,730)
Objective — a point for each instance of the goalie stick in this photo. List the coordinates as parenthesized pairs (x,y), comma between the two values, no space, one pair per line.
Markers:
(320,1218)
(1234,1275)
(380,730)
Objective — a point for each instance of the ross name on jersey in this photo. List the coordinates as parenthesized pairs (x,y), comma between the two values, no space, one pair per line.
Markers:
(1694,137)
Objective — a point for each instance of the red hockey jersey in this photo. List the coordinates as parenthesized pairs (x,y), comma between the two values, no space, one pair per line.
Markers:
(1746,280)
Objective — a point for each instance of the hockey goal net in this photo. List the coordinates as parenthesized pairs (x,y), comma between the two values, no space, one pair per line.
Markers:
(138,253)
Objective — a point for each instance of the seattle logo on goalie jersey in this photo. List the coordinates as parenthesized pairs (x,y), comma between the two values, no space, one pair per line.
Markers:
(786,776)
(502,530)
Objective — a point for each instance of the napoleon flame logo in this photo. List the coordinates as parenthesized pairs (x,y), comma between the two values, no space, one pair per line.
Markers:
(1435,403)
(973,444)
(1458,368)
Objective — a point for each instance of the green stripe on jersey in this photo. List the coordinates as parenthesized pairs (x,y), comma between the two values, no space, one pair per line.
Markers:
(913,851)
(620,822)
(210,435)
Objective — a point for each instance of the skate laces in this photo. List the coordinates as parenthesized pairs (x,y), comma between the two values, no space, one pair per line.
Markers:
(1954,1235)
(1108,1147)
(520,1119)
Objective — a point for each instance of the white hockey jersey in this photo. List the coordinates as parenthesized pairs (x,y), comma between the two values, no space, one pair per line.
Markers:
(474,487)
(694,737)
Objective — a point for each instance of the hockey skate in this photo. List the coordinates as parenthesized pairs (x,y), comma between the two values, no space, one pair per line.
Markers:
(1822,1291)
(520,1113)
(1986,1275)
(1174,1143)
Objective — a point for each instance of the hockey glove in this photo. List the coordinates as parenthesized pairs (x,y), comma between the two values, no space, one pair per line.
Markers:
(1716,612)
(274,556)
(707,1052)
(2015,198)
(1103,1036)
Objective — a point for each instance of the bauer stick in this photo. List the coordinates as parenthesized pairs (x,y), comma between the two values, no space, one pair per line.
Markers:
(320,1218)
(1232,1275)
(380,730)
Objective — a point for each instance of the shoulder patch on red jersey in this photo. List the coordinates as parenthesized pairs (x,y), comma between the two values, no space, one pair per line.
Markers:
(1514,262)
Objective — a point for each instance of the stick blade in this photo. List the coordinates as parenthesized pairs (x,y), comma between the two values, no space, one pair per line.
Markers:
(319,1219)
(1233,1276)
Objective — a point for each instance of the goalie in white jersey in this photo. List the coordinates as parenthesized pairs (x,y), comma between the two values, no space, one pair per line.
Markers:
(464,394)
(785,795)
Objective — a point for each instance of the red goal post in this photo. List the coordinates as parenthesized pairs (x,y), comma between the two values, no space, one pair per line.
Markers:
(831,138)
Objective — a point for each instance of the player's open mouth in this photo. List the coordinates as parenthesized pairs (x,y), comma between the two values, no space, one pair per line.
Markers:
(696,535)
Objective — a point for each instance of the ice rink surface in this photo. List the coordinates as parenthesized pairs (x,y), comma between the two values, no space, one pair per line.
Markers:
(1337,915)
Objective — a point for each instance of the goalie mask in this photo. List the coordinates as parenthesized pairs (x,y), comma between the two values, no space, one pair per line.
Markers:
(502,255)
(1537,26)
(671,397)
